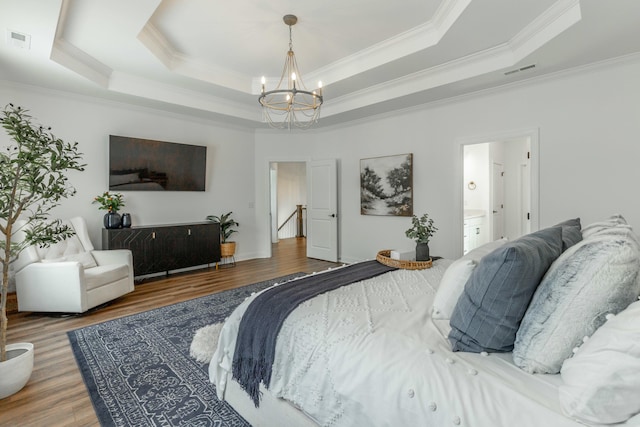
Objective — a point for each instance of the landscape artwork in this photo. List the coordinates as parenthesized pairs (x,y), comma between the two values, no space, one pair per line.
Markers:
(386,185)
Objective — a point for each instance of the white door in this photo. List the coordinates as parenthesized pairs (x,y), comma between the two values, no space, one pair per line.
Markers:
(497,194)
(322,210)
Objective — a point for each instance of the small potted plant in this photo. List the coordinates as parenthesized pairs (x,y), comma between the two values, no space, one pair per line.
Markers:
(227,247)
(421,231)
(110,203)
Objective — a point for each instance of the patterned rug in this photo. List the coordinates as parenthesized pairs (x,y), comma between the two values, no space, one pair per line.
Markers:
(138,371)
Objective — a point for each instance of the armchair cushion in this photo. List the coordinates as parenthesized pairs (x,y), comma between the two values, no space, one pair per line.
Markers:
(104,274)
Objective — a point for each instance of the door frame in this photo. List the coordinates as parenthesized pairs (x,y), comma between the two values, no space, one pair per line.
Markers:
(458,208)
(300,159)
(492,203)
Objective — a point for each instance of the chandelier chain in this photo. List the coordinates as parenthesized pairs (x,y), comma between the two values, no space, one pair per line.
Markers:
(290,39)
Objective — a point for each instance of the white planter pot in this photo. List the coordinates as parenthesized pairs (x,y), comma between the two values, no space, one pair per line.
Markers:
(16,370)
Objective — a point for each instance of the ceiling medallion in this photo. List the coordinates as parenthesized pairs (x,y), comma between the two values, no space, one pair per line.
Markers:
(290,104)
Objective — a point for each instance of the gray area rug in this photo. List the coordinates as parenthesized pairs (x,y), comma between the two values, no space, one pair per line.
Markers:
(138,371)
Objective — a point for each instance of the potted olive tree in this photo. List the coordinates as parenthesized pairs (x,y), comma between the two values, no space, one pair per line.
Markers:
(227,247)
(421,231)
(32,182)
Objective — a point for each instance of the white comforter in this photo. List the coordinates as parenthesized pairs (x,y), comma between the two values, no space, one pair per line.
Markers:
(369,354)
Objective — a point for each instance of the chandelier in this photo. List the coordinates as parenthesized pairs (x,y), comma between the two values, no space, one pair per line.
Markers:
(290,104)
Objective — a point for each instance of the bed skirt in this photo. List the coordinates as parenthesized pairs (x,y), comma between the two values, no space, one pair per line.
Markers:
(273,412)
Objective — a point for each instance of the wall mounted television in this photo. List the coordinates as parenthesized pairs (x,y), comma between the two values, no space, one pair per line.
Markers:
(146,165)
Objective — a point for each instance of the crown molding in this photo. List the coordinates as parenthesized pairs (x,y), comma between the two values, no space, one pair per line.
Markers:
(181,64)
(561,16)
(157,44)
(149,89)
(76,60)
(403,44)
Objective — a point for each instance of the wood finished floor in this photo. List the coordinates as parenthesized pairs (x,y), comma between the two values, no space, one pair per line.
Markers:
(56,395)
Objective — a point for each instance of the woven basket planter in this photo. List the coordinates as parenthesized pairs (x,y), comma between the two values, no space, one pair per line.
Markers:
(227,249)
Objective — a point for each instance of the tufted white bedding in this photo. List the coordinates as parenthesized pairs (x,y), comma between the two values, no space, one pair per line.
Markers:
(369,354)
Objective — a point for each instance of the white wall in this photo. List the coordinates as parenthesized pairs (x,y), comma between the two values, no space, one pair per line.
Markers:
(230,178)
(476,169)
(589,152)
(588,132)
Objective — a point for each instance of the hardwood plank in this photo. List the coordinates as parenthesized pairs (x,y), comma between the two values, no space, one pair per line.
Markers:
(56,395)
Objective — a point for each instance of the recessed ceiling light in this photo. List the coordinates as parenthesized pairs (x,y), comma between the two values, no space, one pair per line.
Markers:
(18,40)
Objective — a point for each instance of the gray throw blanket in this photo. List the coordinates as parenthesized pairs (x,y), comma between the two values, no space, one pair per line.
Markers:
(261,322)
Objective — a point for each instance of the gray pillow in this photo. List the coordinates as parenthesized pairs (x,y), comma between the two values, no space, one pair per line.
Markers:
(593,278)
(497,294)
(571,232)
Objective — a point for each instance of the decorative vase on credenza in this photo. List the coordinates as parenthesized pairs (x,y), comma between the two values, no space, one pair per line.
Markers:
(112,220)
(126,220)
(110,202)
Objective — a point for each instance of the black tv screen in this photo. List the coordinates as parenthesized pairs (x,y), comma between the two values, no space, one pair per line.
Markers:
(146,165)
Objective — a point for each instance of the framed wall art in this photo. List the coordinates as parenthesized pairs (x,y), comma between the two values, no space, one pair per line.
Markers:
(386,185)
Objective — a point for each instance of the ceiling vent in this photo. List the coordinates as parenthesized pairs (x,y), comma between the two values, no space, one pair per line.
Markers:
(517,70)
(18,40)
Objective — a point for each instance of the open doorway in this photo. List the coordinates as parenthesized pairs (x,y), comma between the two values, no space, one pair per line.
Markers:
(499,188)
(288,200)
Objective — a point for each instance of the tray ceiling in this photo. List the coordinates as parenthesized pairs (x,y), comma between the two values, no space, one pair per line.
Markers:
(206,58)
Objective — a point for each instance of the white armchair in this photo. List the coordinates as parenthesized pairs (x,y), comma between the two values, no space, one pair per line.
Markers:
(70,276)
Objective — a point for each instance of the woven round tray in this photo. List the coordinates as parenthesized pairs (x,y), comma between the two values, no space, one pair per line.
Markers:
(383,257)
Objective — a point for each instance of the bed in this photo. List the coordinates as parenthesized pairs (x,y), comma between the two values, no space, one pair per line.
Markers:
(380,351)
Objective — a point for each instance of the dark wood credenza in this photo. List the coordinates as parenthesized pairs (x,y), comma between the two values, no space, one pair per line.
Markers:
(161,248)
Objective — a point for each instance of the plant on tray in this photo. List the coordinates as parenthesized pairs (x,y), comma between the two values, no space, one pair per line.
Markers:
(421,231)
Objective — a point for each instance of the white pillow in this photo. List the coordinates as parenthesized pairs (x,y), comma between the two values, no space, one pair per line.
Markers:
(601,383)
(599,275)
(84,258)
(600,226)
(69,246)
(456,276)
